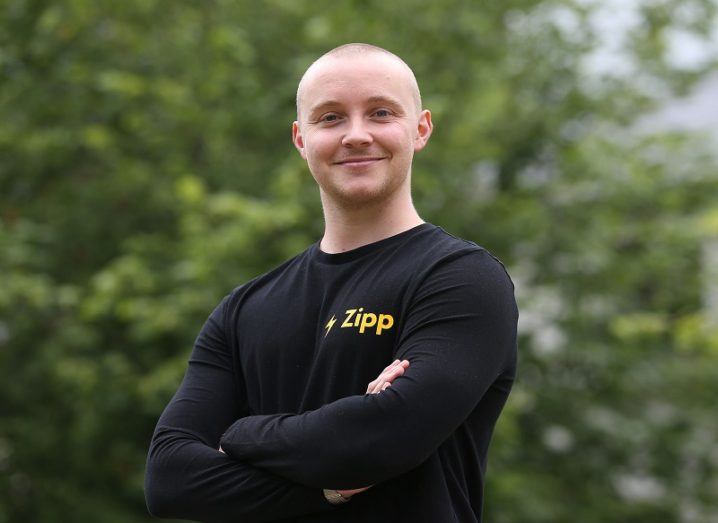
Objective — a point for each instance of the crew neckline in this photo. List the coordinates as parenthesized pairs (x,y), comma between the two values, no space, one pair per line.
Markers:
(358,252)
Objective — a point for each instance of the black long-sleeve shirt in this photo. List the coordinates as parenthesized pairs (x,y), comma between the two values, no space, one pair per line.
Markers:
(278,375)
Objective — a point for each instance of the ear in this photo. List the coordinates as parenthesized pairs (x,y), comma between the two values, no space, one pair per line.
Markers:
(298,140)
(423,130)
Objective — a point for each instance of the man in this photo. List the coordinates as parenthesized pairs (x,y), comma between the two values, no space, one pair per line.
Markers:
(273,420)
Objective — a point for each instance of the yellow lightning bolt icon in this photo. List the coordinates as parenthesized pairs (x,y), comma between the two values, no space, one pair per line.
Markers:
(330,324)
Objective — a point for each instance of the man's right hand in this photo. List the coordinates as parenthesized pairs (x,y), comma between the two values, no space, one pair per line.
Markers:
(384,380)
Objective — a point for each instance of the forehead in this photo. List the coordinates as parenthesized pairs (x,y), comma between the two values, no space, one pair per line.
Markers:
(356,78)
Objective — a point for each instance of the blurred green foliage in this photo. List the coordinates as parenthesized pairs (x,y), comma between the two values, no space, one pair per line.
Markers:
(146,169)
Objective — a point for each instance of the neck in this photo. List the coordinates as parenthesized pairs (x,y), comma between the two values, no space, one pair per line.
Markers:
(347,228)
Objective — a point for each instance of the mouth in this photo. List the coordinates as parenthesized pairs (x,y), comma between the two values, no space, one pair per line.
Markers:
(360,162)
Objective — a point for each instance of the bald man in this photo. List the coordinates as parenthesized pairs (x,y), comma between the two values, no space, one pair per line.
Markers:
(274,420)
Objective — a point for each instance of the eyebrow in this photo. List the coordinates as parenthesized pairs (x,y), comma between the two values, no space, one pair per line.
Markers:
(387,100)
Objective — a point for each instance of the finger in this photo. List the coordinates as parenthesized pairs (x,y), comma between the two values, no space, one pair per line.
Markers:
(382,377)
(387,377)
(395,372)
(390,373)
(392,364)
(377,386)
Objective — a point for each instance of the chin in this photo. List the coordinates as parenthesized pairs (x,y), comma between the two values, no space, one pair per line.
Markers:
(360,196)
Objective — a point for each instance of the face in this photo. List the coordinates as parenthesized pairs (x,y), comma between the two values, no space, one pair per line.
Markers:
(359,128)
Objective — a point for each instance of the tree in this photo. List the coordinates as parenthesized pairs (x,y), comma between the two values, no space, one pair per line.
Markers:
(146,170)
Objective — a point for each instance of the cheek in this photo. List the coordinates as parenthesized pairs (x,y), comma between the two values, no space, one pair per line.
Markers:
(398,137)
(318,148)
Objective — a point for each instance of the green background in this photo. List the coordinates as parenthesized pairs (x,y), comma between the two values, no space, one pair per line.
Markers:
(146,169)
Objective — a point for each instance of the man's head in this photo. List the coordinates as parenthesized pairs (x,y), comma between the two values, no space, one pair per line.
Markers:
(359,122)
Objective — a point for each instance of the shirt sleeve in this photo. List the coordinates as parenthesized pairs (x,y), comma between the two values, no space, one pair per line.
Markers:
(459,337)
(186,476)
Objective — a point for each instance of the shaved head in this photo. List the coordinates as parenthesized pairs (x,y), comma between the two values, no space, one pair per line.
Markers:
(358,50)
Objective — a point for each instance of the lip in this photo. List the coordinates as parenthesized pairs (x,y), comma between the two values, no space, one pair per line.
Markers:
(360,161)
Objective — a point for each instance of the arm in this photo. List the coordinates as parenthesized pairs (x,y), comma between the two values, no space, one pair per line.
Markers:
(377,386)
(459,336)
(187,477)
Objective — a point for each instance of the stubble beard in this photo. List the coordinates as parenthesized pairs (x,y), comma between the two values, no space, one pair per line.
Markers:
(353,199)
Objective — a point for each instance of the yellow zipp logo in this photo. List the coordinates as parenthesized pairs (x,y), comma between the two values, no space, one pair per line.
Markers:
(358,319)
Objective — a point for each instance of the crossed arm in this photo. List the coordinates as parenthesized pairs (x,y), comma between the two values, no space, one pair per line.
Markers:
(188,478)
(459,337)
(376,386)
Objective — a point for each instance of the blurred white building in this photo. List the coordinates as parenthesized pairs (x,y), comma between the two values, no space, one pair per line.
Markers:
(696,112)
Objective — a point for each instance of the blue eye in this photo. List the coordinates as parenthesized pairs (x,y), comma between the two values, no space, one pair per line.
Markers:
(382,113)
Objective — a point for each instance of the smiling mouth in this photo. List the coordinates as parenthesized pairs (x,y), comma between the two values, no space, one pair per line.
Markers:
(359,162)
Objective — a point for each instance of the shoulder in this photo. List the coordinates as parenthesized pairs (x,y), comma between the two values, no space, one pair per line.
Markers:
(232,302)
(446,255)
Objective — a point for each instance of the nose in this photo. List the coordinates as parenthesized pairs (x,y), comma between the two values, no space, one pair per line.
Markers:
(357,134)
